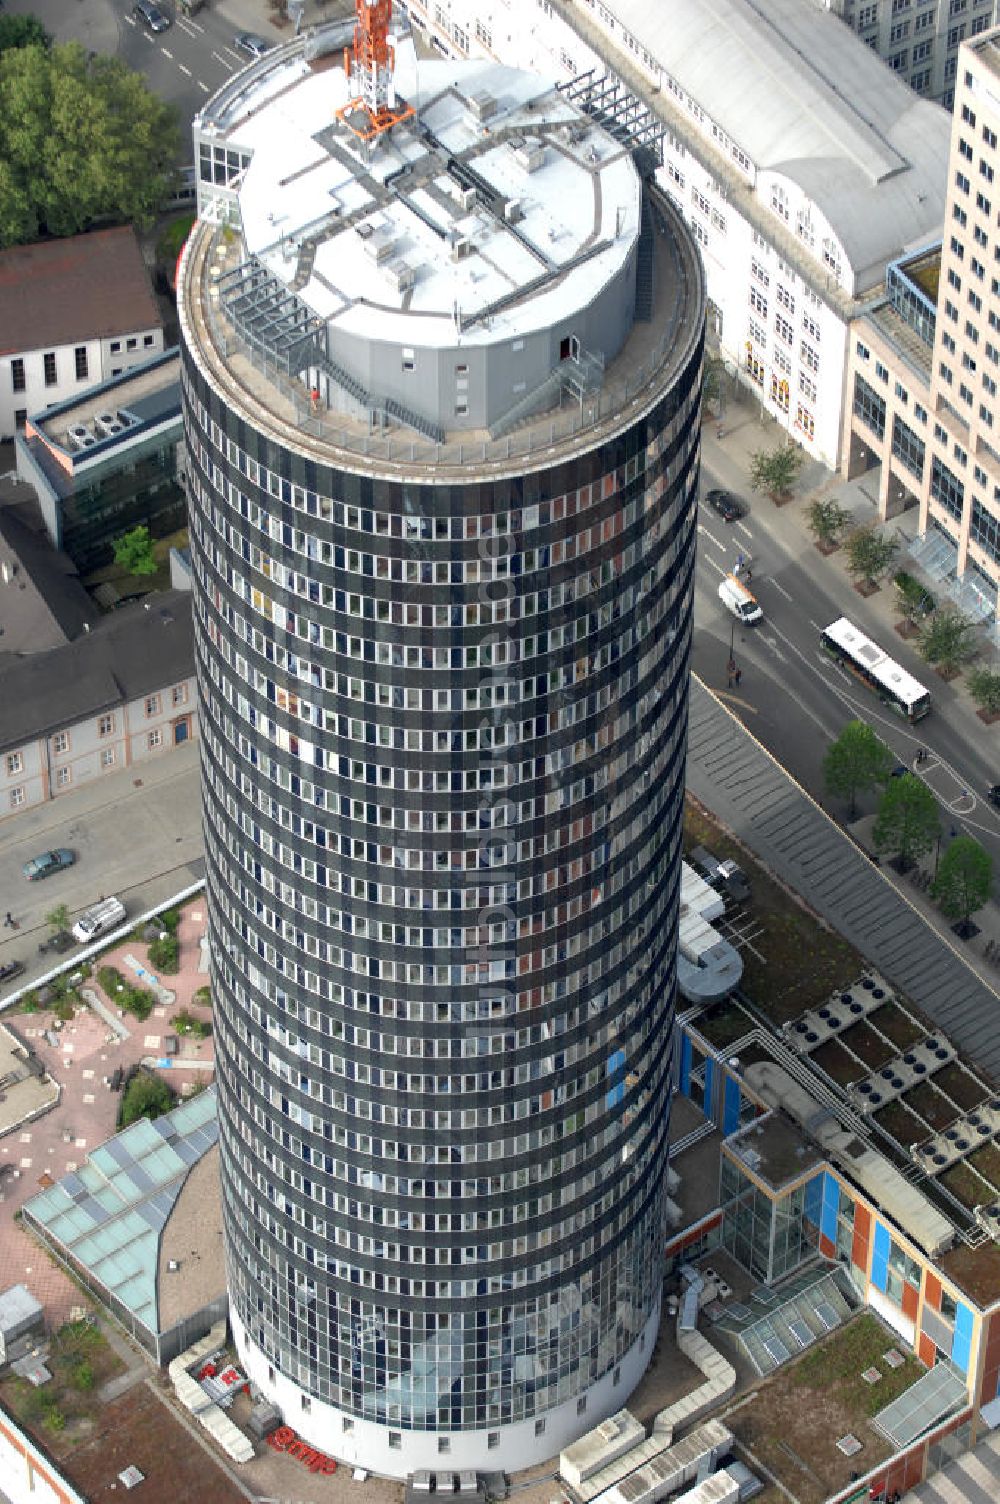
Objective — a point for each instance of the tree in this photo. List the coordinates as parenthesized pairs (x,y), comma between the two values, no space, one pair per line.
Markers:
(907,822)
(775,472)
(948,640)
(711,388)
(857,761)
(911,597)
(82,140)
(146,1096)
(22,31)
(827,520)
(964,879)
(58,918)
(984,687)
(869,555)
(134,551)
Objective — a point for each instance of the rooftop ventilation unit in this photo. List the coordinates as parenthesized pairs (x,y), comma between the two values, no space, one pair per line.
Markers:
(988,1217)
(482,106)
(513,211)
(917,1064)
(461,247)
(379,245)
(80,436)
(843,1009)
(528,153)
(400,274)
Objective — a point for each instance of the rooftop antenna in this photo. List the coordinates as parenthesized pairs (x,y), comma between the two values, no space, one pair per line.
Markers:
(372,108)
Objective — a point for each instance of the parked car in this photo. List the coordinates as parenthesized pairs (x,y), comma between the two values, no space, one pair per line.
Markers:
(46,863)
(993,794)
(11,969)
(103,916)
(729,506)
(250,43)
(150,16)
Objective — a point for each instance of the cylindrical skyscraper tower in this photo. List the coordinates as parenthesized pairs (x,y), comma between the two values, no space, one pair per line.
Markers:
(442,396)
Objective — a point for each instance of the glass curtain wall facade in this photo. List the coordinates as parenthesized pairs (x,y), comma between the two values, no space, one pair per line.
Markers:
(444,732)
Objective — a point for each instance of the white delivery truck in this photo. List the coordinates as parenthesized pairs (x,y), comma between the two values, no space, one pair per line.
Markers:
(737,599)
(98,920)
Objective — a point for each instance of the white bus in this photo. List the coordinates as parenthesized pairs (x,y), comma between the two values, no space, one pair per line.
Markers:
(865,658)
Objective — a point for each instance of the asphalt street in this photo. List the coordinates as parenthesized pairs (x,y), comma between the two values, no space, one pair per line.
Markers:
(792,696)
(136,835)
(184,64)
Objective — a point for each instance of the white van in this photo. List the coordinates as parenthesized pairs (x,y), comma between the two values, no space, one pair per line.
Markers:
(736,598)
(98,920)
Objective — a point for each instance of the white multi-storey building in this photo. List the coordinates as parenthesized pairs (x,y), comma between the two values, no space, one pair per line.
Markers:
(802,167)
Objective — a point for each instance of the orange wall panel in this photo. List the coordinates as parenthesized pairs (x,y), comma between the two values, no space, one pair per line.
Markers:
(932,1291)
(911,1299)
(926,1351)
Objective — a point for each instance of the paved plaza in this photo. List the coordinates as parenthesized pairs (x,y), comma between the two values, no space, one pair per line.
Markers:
(81,1057)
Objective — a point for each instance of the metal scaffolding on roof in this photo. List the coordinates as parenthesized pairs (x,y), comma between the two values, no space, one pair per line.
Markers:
(625,118)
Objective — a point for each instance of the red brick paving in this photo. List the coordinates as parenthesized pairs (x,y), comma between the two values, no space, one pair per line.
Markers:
(85,1056)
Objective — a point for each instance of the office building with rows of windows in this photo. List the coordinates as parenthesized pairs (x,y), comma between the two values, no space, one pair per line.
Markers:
(919,39)
(441,389)
(924,364)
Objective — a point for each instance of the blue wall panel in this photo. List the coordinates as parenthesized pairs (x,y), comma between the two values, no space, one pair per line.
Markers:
(880,1257)
(962,1345)
(710,1071)
(813,1205)
(828,1217)
(730,1106)
(685,1073)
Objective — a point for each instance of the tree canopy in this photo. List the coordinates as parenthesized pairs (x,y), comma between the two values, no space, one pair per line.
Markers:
(775,472)
(82,140)
(134,551)
(146,1096)
(911,597)
(964,878)
(949,639)
(869,554)
(827,520)
(22,31)
(857,761)
(984,687)
(907,822)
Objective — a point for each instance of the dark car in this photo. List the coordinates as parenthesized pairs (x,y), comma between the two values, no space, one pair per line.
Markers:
(729,507)
(993,794)
(10,970)
(62,940)
(250,43)
(150,15)
(46,863)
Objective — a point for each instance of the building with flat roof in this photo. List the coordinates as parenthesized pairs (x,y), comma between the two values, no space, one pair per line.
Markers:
(800,165)
(72,312)
(442,387)
(108,460)
(924,363)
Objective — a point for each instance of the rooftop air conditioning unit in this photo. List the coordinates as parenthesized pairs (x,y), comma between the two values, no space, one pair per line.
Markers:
(80,435)
(513,211)
(530,155)
(460,248)
(482,105)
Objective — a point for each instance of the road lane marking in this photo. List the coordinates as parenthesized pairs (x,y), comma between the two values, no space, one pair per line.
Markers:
(240,59)
(167,54)
(723,547)
(189,26)
(780,588)
(223,60)
(203,87)
(184,70)
(744,529)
